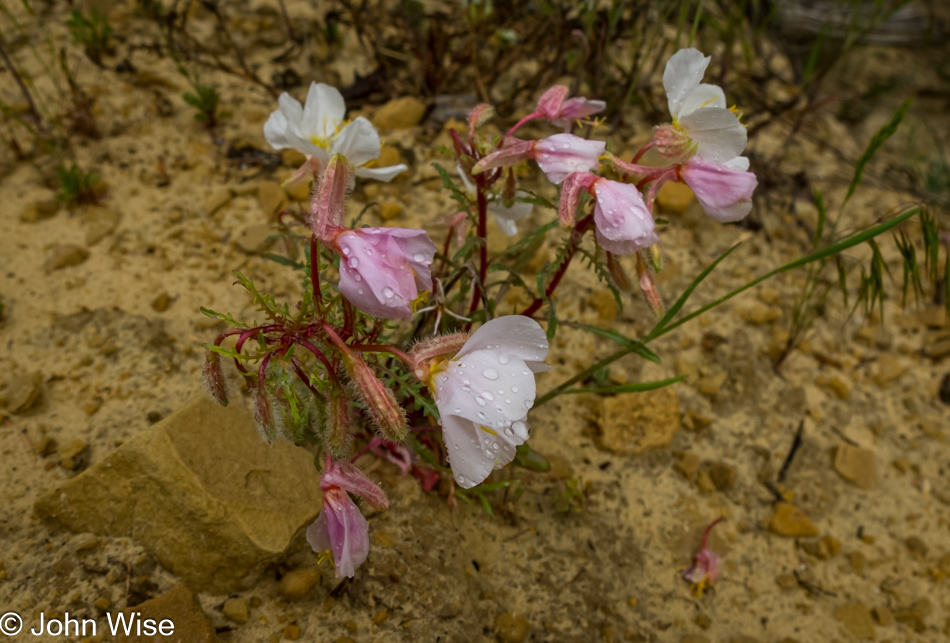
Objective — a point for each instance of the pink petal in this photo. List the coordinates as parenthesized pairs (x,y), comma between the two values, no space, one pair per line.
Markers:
(724,193)
(549,105)
(347,530)
(624,224)
(564,154)
(344,475)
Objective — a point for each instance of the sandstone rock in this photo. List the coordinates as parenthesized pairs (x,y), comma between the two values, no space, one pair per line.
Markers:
(759,313)
(70,452)
(887,369)
(631,424)
(856,465)
(883,615)
(235,609)
(789,520)
(917,547)
(65,256)
(512,628)
(161,303)
(271,197)
(723,475)
(23,392)
(39,210)
(99,222)
(217,199)
(254,239)
(200,491)
(388,156)
(292,158)
(389,210)
(399,113)
(674,198)
(297,583)
(688,465)
(177,605)
(300,191)
(857,619)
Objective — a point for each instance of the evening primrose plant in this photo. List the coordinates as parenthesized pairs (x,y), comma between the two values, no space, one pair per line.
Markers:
(398,345)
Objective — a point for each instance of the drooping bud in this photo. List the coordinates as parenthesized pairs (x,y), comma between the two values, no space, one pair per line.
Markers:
(380,403)
(515,153)
(329,199)
(265,418)
(549,105)
(574,186)
(648,285)
(478,117)
(293,413)
(214,378)
(673,143)
(561,155)
(617,273)
(337,436)
(437,346)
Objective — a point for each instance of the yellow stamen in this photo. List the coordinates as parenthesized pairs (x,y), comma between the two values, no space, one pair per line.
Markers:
(487,430)
(436,366)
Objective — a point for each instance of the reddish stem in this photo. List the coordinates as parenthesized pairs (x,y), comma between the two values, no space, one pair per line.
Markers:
(482,232)
(709,529)
(643,150)
(306,380)
(576,236)
(348,320)
(529,117)
(376,348)
(331,372)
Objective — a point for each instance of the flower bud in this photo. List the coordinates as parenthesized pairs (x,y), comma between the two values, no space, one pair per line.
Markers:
(478,117)
(380,403)
(549,105)
(673,143)
(648,286)
(426,349)
(574,186)
(617,273)
(336,429)
(214,378)
(329,199)
(517,152)
(267,424)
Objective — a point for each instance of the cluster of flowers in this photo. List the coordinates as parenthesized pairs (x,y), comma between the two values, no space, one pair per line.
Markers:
(483,383)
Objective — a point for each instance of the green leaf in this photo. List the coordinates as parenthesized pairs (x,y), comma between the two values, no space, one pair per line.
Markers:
(636,387)
(639,348)
(822,215)
(876,142)
(528,458)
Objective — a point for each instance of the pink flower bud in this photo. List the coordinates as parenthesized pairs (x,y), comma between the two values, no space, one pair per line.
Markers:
(648,285)
(624,224)
(426,349)
(549,105)
(617,273)
(516,152)
(724,190)
(553,107)
(673,143)
(265,417)
(574,185)
(329,199)
(382,270)
(478,117)
(564,154)
(705,569)
(214,378)
(380,403)
(337,435)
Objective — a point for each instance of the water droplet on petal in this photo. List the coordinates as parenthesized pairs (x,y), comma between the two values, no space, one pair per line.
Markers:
(488,396)
(388,292)
(521,429)
(490,374)
(528,403)
(346,250)
(357,277)
(458,410)
(419,258)
(481,416)
(494,445)
(508,432)
(524,372)
(480,401)
(514,389)
(359,291)
(354,263)
(503,359)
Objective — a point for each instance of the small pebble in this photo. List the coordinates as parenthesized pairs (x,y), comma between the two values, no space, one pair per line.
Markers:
(236,609)
(297,583)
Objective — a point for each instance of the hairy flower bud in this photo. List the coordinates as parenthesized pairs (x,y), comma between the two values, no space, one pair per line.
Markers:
(673,143)
(572,190)
(336,429)
(648,286)
(617,273)
(214,378)
(265,417)
(478,117)
(329,199)
(426,349)
(380,403)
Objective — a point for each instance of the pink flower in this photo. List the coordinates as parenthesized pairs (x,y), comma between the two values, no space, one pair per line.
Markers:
(724,190)
(705,567)
(341,527)
(558,156)
(382,270)
(553,107)
(623,222)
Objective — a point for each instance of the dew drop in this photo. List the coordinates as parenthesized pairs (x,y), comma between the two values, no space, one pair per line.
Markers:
(494,445)
(388,292)
(481,416)
(490,374)
(507,401)
(359,291)
(488,396)
(480,401)
(346,250)
(503,359)
(514,389)
(460,478)
(527,404)
(419,258)
(524,372)
(458,410)
(501,391)
(354,262)
(357,277)
(508,432)
(567,146)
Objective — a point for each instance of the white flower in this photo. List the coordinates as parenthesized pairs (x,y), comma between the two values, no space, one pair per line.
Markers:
(506,217)
(699,112)
(318,130)
(484,394)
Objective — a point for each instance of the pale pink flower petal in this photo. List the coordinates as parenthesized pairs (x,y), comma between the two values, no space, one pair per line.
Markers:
(684,71)
(549,105)
(343,530)
(382,270)
(564,154)
(717,132)
(516,335)
(358,142)
(623,222)
(724,193)
(384,174)
(580,107)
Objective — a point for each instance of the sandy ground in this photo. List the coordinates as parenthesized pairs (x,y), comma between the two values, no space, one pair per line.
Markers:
(114,337)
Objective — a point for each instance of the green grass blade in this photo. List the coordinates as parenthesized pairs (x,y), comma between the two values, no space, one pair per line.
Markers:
(876,142)
(637,387)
